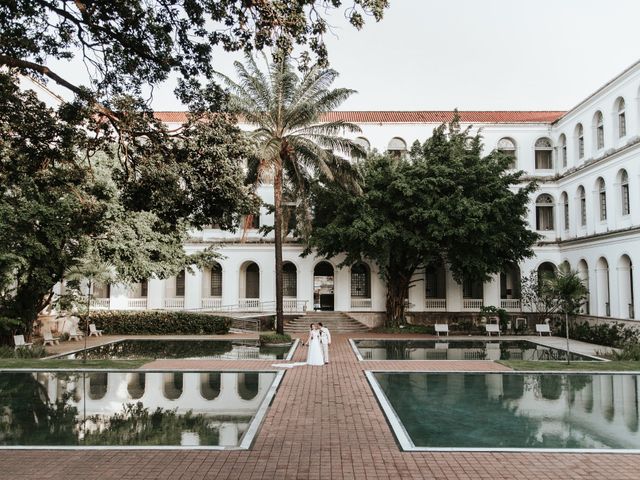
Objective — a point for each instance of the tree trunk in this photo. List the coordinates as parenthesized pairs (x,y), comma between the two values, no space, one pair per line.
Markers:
(397,290)
(566,326)
(277,203)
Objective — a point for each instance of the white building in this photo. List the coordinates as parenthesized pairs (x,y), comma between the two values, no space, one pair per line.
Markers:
(586,160)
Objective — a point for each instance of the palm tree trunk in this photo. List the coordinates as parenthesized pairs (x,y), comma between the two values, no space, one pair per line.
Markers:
(277,203)
(566,327)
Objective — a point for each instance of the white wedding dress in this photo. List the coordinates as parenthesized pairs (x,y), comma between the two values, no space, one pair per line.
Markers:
(314,356)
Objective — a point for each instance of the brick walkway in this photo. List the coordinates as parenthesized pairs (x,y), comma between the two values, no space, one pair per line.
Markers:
(323,424)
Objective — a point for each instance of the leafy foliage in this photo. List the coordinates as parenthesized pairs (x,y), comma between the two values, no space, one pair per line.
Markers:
(444,202)
(607,334)
(159,323)
(267,338)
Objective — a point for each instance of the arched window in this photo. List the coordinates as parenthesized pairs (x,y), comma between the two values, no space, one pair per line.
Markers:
(544,212)
(598,124)
(624,191)
(216,281)
(563,149)
(543,151)
(582,198)
(508,147)
(252,281)
(397,147)
(289,280)
(580,141)
(602,198)
(622,119)
(603,292)
(360,281)
(435,281)
(363,143)
(565,208)
(180,284)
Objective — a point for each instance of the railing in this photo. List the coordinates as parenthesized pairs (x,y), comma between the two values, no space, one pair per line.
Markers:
(249,304)
(510,304)
(102,303)
(359,302)
(211,302)
(289,304)
(174,303)
(137,303)
(435,304)
(472,303)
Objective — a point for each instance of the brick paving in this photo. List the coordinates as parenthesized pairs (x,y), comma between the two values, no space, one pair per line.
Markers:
(324,423)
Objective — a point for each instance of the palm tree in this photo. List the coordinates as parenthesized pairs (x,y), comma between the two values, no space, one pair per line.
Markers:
(90,270)
(569,292)
(295,145)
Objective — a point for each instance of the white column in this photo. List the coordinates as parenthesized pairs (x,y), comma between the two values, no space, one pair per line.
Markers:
(155,293)
(119,299)
(341,290)
(416,292)
(230,283)
(492,291)
(454,293)
(193,289)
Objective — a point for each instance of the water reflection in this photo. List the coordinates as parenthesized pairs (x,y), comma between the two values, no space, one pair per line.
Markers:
(210,349)
(516,410)
(460,350)
(129,408)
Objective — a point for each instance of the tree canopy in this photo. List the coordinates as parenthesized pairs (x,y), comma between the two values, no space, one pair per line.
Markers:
(443,202)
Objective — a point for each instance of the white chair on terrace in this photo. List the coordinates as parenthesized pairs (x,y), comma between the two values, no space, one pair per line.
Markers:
(49,339)
(19,342)
(93,331)
(543,328)
(492,328)
(442,328)
(74,334)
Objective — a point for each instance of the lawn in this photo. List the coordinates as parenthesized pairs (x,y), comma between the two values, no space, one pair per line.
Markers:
(613,366)
(70,364)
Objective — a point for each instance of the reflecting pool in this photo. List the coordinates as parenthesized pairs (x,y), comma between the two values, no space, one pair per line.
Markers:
(505,410)
(187,349)
(209,409)
(460,350)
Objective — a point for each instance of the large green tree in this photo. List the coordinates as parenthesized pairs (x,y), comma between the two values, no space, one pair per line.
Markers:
(295,145)
(64,192)
(443,202)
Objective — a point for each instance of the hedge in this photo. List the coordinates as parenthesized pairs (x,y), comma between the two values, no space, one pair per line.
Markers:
(159,323)
(607,334)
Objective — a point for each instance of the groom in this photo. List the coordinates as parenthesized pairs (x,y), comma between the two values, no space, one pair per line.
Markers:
(325,341)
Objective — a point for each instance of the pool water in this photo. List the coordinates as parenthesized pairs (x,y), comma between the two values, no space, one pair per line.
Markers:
(195,409)
(513,410)
(186,349)
(460,350)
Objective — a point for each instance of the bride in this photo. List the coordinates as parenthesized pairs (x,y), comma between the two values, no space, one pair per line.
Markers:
(314,356)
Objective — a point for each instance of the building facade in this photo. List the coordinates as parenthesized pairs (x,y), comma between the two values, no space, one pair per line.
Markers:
(587,209)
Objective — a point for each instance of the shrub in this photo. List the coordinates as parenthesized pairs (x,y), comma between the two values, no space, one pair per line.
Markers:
(430,329)
(607,334)
(266,338)
(628,352)
(36,351)
(159,323)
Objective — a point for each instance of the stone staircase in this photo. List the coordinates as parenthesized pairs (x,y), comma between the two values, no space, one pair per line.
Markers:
(336,322)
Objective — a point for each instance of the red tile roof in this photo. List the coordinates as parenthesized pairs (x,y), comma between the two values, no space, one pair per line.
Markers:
(417,116)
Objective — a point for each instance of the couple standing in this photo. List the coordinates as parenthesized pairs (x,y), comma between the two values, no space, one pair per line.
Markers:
(318,343)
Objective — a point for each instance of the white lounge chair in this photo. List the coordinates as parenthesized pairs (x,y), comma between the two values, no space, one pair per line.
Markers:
(492,328)
(442,328)
(18,341)
(74,334)
(49,339)
(93,331)
(543,328)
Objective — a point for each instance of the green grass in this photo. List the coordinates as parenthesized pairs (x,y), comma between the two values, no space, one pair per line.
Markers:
(71,364)
(614,366)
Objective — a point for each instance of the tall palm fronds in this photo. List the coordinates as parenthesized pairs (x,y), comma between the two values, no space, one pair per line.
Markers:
(296,145)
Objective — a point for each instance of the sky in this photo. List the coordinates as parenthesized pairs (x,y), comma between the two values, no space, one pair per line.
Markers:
(475,54)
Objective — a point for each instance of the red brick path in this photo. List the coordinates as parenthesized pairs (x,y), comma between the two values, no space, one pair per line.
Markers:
(324,424)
